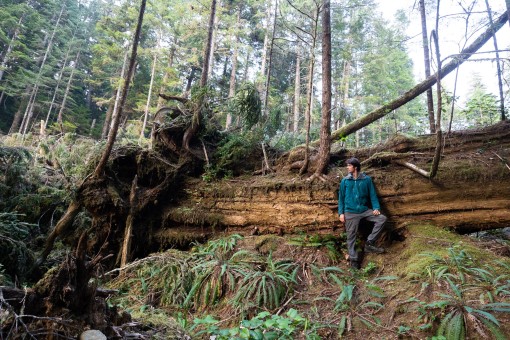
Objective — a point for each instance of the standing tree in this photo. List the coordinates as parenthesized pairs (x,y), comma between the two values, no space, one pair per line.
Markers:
(197,115)
(426,60)
(498,64)
(325,137)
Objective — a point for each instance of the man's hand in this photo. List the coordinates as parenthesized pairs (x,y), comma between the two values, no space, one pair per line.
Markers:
(342,218)
(376,212)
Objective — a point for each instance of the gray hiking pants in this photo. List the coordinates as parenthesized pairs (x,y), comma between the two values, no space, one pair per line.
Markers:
(351,227)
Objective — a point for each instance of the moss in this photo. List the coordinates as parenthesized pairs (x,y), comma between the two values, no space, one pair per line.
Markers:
(426,238)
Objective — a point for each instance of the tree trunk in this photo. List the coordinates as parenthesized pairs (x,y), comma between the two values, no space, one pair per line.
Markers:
(297,90)
(208,45)
(421,87)
(213,46)
(55,92)
(16,121)
(309,91)
(66,93)
(426,59)
(197,116)
(147,105)
(439,133)
(325,137)
(498,65)
(265,46)
(232,87)
(108,115)
(108,123)
(265,111)
(116,120)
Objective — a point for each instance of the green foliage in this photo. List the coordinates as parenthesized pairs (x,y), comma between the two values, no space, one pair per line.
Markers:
(232,155)
(456,264)
(455,311)
(15,253)
(458,313)
(168,277)
(330,243)
(263,326)
(266,286)
(216,276)
(247,105)
(222,245)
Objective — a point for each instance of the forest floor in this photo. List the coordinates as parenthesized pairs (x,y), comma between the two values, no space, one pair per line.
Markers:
(406,292)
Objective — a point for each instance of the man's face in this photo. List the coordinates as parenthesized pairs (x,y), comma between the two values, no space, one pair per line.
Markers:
(350,168)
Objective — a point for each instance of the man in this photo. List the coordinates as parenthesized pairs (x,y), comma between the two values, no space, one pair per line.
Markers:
(357,200)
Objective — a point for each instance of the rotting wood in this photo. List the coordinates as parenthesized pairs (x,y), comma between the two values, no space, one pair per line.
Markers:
(126,244)
(502,159)
(412,167)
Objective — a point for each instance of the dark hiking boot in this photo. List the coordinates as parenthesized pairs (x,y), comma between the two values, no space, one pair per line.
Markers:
(372,248)
(355,264)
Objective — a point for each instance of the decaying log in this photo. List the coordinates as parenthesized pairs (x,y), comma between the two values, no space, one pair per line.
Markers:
(412,167)
(177,98)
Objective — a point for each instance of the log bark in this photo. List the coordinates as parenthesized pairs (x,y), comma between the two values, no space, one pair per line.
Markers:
(421,87)
(426,61)
(325,140)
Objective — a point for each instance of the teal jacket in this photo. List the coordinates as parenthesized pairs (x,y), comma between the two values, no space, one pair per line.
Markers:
(357,195)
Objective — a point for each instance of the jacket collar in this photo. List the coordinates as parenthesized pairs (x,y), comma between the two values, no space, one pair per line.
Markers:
(362,175)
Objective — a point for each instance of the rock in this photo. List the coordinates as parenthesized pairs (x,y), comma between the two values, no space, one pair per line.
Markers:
(92,334)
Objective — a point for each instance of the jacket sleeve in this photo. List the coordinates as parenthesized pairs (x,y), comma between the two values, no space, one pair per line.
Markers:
(373,196)
(341,198)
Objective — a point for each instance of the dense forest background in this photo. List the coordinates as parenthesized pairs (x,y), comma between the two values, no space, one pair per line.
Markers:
(62,65)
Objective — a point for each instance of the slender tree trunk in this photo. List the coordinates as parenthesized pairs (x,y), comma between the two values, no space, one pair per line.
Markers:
(309,92)
(66,93)
(147,105)
(190,79)
(59,79)
(246,65)
(265,112)
(232,87)
(266,42)
(426,59)
(468,12)
(213,45)
(7,54)
(325,136)
(346,80)
(109,114)
(112,135)
(197,118)
(439,134)
(16,121)
(208,45)
(29,111)
(421,87)
(297,90)
(108,123)
(498,65)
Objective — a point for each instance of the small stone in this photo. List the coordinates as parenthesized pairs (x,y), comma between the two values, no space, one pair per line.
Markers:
(92,334)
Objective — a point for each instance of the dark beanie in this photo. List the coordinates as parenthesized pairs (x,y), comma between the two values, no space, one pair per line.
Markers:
(354,162)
